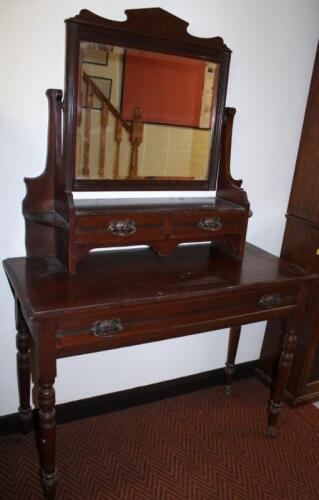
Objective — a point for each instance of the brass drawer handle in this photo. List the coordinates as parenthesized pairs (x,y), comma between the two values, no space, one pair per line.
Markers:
(210,224)
(106,327)
(269,301)
(122,227)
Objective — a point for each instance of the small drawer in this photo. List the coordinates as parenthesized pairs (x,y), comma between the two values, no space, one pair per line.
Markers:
(207,224)
(118,228)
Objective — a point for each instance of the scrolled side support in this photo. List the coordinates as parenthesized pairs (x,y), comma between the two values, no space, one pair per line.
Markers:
(227,187)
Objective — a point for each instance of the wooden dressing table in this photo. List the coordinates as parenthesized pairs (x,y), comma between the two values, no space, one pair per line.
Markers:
(129,297)
(143,109)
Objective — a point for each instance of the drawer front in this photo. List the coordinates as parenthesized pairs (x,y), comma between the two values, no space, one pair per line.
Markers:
(207,224)
(118,228)
(127,228)
(110,328)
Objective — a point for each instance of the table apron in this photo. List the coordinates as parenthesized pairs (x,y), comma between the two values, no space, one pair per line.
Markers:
(134,325)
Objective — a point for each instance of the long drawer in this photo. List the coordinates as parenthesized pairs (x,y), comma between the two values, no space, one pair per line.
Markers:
(109,327)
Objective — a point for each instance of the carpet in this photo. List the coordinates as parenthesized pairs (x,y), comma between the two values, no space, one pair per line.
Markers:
(198,446)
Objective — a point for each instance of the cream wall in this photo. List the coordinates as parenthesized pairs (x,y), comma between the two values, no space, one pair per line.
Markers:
(273,45)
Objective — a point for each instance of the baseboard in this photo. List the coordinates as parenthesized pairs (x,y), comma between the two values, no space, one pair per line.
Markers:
(99,405)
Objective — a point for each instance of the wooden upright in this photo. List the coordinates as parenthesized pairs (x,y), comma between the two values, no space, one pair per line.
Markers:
(301,246)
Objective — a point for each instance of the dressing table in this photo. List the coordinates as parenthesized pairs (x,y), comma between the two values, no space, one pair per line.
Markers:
(71,301)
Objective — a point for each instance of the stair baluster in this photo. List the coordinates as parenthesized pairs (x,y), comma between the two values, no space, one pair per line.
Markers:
(118,139)
(136,138)
(87,130)
(104,122)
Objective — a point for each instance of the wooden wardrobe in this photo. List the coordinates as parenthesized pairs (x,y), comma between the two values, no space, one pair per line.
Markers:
(301,246)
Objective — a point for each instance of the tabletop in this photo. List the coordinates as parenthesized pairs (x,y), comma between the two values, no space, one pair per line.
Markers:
(45,287)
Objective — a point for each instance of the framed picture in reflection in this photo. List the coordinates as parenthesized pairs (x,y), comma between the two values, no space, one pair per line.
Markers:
(93,53)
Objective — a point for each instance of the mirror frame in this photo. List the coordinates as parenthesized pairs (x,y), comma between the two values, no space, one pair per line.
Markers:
(151,29)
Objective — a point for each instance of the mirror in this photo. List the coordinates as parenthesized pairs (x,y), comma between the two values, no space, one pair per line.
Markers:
(143,115)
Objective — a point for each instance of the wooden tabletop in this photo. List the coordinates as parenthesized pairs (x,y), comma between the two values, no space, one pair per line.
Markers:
(136,275)
(101,206)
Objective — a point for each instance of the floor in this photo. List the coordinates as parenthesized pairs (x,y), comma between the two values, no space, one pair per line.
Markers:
(198,446)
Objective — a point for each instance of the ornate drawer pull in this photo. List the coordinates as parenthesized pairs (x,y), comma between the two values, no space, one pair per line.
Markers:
(269,301)
(210,224)
(122,227)
(106,327)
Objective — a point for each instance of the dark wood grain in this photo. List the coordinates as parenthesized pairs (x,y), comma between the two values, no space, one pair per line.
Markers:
(151,299)
(138,275)
(54,222)
(303,203)
(300,246)
(286,358)
(44,193)
(97,206)
(23,371)
(132,297)
(234,336)
(74,301)
(149,22)
(44,355)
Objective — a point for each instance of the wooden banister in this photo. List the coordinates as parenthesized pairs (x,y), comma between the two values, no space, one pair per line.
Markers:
(103,98)
(133,129)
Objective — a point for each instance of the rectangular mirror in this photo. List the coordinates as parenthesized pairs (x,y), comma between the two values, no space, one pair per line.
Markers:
(143,115)
(144,103)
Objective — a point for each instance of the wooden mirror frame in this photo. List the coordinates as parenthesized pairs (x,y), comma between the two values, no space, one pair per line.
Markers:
(155,30)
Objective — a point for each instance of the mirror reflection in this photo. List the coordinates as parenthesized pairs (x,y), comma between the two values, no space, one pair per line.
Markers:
(143,115)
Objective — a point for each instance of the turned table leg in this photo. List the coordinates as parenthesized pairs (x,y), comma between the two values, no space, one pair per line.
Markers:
(234,336)
(285,362)
(45,365)
(23,372)
(47,426)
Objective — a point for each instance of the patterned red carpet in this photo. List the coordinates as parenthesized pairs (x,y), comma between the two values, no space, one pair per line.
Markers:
(201,446)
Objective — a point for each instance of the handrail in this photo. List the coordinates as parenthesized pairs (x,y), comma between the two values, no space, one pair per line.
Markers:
(134,130)
(110,106)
